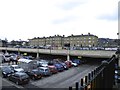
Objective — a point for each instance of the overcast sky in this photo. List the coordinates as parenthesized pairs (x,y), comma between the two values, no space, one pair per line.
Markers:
(26,19)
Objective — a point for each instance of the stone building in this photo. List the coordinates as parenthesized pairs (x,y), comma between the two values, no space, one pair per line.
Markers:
(88,40)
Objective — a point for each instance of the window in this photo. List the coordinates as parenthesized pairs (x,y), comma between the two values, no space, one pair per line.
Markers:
(89,41)
(15,75)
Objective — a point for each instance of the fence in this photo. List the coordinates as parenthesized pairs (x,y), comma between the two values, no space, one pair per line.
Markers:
(102,77)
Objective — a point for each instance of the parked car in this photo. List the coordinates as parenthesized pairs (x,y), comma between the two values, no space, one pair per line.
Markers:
(6,71)
(6,57)
(3,60)
(76,61)
(34,74)
(64,65)
(59,66)
(13,57)
(53,69)
(74,64)
(28,57)
(43,63)
(19,78)
(16,68)
(27,64)
(68,63)
(45,71)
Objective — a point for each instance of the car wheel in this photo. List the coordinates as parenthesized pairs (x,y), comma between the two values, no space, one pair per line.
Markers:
(17,83)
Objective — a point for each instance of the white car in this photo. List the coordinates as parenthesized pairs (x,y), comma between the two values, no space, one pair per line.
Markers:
(16,68)
(74,64)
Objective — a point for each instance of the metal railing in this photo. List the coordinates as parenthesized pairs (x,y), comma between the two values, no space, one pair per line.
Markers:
(102,77)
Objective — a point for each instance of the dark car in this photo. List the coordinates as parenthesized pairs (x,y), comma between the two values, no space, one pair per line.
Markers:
(45,71)
(64,65)
(77,61)
(19,78)
(34,74)
(6,71)
(59,66)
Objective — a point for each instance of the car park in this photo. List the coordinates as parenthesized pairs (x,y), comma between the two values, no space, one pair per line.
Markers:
(45,71)
(6,71)
(34,74)
(16,68)
(19,78)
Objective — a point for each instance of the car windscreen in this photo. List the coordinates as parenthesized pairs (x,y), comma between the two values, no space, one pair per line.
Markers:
(36,71)
(24,76)
(46,70)
(6,69)
(42,70)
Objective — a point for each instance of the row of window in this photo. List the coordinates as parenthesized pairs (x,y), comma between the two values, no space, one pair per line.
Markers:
(54,39)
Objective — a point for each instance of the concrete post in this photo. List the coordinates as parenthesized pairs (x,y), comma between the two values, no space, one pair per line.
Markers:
(68,57)
(68,54)
(37,55)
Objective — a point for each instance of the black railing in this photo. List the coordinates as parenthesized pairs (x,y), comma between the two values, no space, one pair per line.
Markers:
(102,77)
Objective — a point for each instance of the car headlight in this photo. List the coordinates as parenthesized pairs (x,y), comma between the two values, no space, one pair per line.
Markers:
(4,72)
(116,72)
